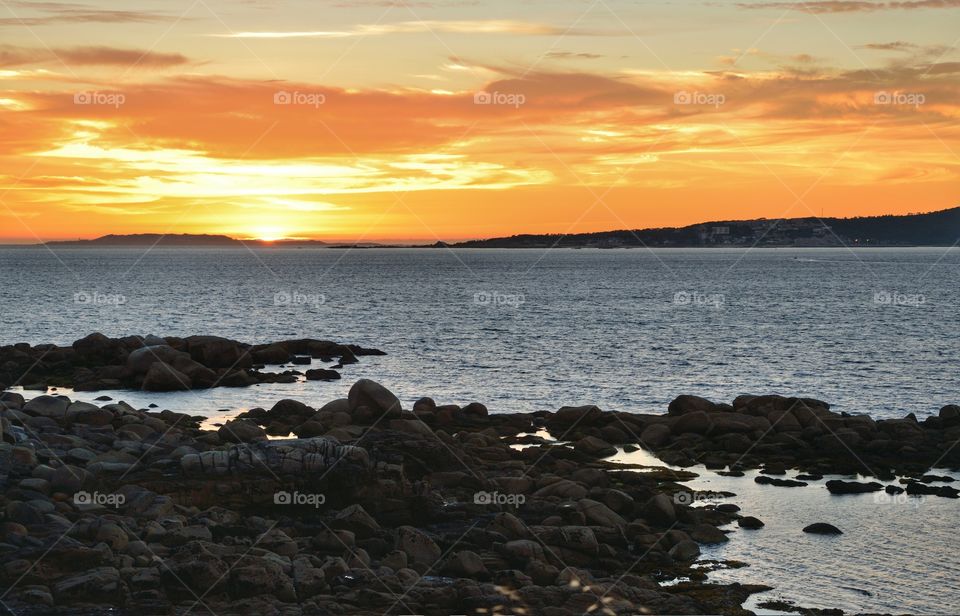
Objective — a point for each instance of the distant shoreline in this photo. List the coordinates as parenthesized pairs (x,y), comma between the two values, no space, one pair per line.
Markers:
(933,229)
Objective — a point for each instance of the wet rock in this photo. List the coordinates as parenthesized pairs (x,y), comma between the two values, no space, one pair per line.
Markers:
(417,545)
(373,396)
(750,523)
(783,483)
(697,422)
(655,435)
(838,486)
(322,374)
(163,377)
(822,528)
(685,550)
(595,447)
(241,431)
(681,405)
(54,407)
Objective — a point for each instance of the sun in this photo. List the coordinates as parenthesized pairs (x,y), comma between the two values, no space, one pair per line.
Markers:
(268,234)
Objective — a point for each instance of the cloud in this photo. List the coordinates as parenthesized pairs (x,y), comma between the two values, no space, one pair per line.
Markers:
(13,56)
(851,6)
(73,13)
(410,27)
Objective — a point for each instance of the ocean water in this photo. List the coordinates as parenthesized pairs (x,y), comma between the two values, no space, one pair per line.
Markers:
(868,330)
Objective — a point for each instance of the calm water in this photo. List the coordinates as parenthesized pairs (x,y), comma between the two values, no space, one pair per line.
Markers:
(870,330)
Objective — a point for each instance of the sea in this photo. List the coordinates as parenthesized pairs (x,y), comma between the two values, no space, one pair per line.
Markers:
(869,330)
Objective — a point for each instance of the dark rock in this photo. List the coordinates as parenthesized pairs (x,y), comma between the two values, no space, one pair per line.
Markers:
(682,405)
(750,523)
(162,377)
(322,374)
(837,486)
(822,528)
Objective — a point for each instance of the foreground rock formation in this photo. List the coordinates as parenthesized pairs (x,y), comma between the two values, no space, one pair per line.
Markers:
(167,364)
(376,509)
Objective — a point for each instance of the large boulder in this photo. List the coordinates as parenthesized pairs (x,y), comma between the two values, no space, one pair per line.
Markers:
(140,360)
(655,435)
(838,486)
(418,546)
(374,397)
(163,377)
(697,422)
(98,347)
(54,407)
(681,405)
(822,528)
(216,352)
(241,431)
(595,447)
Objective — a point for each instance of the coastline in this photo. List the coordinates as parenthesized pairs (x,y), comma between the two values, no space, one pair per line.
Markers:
(436,509)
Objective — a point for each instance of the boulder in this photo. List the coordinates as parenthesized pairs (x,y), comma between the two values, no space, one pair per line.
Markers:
(581,415)
(54,407)
(681,405)
(374,396)
(140,360)
(655,435)
(750,523)
(660,510)
(837,486)
(322,374)
(595,447)
(417,545)
(697,422)
(241,431)
(88,414)
(599,514)
(163,377)
(685,550)
(466,564)
(822,528)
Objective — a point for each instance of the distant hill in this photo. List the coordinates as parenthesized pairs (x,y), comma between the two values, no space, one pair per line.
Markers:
(159,239)
(934,229)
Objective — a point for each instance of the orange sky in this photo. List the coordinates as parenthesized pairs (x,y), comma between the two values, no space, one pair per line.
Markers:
(373,120)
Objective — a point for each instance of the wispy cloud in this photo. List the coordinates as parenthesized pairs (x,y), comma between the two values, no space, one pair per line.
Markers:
(851,6)
(14,56)
(53,13)
(412,27)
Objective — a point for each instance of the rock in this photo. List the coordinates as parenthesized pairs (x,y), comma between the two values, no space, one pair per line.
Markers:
(837,486)
(581,415)
(322,374)
(162,377)
(241,431)
(600,514)
(783,483)
(655,435)
(215,352)
(140,360)
(564,488)
(524,550)
(113,535)
(99,585)
(474,409)
(88,414)
(466,564)
(373,395)
(697,422)
(707,534)
(685,550)
(54,407)
(595,447)
(417,545)
(659,509)
(822,528)
(950,411)
(681,405)
(355,519)
(750,523)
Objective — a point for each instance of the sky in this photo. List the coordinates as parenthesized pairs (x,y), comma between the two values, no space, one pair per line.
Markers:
(374,120)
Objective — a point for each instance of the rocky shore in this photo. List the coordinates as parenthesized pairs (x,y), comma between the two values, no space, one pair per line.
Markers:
(151,363)
(375,509)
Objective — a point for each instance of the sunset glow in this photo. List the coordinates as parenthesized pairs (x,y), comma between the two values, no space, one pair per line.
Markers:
(423,121)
